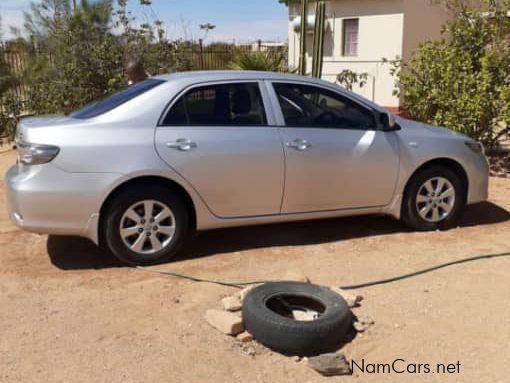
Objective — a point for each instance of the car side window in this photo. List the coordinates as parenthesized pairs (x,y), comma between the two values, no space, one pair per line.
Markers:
(314,107)
(219,105)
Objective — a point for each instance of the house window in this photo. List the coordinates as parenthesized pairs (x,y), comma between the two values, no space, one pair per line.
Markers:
(350,43)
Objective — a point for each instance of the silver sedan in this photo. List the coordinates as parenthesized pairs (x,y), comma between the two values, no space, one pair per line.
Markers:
(143,168)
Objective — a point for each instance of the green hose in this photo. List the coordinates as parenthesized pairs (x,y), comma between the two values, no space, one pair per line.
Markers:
(240,285)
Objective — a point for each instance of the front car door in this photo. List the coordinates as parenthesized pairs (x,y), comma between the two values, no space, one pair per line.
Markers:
(218,138)
(335,156)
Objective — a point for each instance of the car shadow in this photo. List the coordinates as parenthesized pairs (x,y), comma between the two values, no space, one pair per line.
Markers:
(72,253)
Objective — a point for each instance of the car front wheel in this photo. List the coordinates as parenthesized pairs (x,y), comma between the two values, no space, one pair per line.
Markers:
(145,226)
(433,199)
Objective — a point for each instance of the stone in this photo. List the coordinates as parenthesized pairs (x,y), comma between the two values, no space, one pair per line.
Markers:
(306,316)
(245,349)
(232,303)
(244,292)
(225,322)
(331,364)
(245,337)
(362,323)
(296,276)
(352,299)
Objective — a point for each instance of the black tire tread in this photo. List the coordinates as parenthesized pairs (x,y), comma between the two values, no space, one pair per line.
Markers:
(409,214)
(291,336)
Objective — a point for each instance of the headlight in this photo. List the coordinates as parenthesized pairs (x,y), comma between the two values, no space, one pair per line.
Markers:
(35,154)
(475,146)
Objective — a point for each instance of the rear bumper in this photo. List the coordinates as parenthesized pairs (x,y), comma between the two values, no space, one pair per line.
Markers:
(44,199)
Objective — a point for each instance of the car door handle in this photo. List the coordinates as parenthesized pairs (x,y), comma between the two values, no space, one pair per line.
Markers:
(299,144)
(182,144)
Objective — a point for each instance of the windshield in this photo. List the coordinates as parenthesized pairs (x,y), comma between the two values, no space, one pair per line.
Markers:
(116,99)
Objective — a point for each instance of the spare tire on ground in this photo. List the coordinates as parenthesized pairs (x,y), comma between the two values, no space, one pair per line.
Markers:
(296,318)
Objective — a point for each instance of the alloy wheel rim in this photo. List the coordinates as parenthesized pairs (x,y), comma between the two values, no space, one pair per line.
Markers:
(147,227)
(435,199)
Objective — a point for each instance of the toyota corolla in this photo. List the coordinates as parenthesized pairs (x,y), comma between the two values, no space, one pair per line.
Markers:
(143,168)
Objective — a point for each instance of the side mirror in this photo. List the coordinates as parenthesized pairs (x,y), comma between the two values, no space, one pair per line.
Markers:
(388,122)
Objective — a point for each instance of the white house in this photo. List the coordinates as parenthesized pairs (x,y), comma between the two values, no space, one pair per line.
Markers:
(360,33)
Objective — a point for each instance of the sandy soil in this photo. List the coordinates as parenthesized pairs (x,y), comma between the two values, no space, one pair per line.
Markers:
(71,313)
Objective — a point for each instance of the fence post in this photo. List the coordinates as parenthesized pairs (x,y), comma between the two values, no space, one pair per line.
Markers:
(201,44)
(259,42)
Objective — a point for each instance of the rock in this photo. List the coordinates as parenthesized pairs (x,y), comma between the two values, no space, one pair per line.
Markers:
(232,303)
(304,315)
(245,349)
(245,337)
(362,323)
(331,364)
(296,276)
(352,299)
(226,322)
(245,291)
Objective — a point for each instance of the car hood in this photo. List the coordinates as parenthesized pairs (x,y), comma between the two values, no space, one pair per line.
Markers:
(415,128)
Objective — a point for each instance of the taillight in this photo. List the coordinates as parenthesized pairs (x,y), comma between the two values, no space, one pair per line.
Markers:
(35,154)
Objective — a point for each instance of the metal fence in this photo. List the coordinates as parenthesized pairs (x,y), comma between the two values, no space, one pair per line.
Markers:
(200,56)
(16,62)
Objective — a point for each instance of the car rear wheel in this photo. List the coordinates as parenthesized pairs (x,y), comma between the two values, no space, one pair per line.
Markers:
(433,199)
(143,227)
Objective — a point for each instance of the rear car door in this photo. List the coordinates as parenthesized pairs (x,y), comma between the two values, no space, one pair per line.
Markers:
(335,156)
(217,137)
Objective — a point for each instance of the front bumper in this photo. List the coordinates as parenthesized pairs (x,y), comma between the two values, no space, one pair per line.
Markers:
(44,199)
(478,177)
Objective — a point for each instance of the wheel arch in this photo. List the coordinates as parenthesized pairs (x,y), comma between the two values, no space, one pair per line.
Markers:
(149,180)
(447,163)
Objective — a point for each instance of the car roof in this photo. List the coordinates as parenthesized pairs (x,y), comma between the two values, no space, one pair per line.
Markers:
(229,75)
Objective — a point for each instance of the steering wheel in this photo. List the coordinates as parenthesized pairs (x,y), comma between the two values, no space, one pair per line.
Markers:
(326,118)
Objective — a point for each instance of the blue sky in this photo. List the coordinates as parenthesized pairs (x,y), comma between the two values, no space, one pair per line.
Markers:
(242,20)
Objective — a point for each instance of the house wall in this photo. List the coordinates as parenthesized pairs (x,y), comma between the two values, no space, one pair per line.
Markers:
(387,29)
(423,21)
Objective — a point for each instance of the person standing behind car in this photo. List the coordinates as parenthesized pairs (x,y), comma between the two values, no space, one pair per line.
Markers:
(135,72)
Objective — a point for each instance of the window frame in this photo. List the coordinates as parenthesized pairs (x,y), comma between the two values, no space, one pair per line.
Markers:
(266,105)
(281,118)
(345,43)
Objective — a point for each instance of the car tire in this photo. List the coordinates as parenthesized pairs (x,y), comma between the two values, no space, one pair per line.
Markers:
(442,213)
(287,335)
(118,214)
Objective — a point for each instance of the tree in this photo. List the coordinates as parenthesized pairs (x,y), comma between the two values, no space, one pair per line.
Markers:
(348,79)
(80,51)
(207,28)
(78,60)
(462,81)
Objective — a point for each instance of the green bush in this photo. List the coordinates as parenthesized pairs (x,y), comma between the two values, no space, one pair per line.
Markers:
(463,80)
(270,60)
(80,53)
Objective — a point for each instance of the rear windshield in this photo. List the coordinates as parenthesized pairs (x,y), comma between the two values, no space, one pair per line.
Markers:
(116,99)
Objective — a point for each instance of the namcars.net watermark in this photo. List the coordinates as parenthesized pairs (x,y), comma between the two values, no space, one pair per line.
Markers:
(401,366)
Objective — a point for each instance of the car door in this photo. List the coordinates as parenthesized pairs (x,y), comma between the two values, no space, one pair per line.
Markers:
(218,138)
(335,156)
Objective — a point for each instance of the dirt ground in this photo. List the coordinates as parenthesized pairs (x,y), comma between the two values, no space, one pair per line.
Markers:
(71,313)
